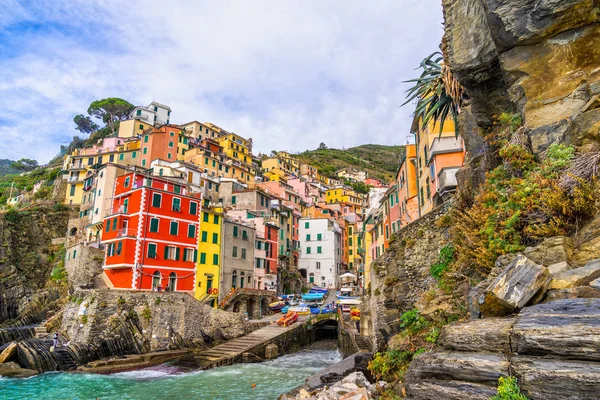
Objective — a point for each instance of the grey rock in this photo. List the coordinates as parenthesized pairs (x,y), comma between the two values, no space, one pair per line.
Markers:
(595,283)
(567,328)
(559,267)
(12,370)
(551,251)
(449,390)
(519,283)
(577,277)
(357,378)
(555,379)
(488,334)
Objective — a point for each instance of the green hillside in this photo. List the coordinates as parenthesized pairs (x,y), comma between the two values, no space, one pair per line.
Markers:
(379,160)
(5,168)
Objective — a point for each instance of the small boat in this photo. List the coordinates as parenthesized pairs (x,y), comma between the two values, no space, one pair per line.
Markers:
(313,296)
(276,306)
(288,319)
(318,289)
(300,310)
(285,309)
(348,297)
(348,304)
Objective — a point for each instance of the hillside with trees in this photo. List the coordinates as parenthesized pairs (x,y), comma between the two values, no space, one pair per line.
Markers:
(379,161)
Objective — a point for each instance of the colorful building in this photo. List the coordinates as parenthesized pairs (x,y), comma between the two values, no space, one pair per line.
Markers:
(210,248)
(151,234)
(406,183)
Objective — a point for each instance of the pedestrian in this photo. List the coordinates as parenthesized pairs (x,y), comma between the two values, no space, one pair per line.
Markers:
(55,340)
(158,288)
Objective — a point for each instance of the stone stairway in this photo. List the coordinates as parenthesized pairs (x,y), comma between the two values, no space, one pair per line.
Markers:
(231,351)
(41,331)
(362,343)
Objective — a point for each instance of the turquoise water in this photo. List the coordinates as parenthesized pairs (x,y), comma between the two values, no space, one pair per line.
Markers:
(272,378)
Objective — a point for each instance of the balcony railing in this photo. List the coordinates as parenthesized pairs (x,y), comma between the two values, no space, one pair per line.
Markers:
(127,232)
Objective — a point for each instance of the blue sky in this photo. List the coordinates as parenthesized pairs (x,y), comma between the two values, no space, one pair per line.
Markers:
(289,74)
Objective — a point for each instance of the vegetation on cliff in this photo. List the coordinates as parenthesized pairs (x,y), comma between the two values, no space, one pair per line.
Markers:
(379,161)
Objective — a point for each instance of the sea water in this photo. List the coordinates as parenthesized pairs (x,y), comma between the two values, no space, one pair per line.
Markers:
(272,378)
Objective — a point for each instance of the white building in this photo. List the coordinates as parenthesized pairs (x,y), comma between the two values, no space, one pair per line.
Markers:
(155,114)
(321,251)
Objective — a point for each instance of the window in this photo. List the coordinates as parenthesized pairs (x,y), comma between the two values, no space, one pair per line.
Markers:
(121,157)
(319,236)
(233,199)
(154,225)
(216,219)
(202,258)
(72,193)
(145,150)
(306,225)
(143,163)
(191,230)
(245,235)
(349,241)
(111,158)
(243,254)
(235,231)
(141,126)
(151,250)
(145,138)
(234,251)
(215,259)
(75,251)
(320,250)
(171,253)
(114,224)
(215,238)
(204,236)
(176,204)
(318,265)
(156,200)
(127,181)
(134,154)
(193,208)
(108,226)
(188,255)
(138,112)
(205,217)
(174,228)
(308,250)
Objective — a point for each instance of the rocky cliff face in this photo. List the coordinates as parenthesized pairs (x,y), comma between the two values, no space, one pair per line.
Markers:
(537,57)
(26,257)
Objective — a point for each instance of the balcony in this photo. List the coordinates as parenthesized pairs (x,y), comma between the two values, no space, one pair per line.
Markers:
(444,145)
(447,179)
(76,166)
(127,232)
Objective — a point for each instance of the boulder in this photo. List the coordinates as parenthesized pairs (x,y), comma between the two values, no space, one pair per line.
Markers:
(357,378)
(519,283)
(8,353)
(488,334)
(553,250)
(449,390)
(13,370)
(359,394)
(595,283)
(577,277)
(559,267)
(566,328)
(554,379)
(483,368)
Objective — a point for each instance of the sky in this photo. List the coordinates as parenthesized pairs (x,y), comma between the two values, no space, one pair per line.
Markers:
(288,74)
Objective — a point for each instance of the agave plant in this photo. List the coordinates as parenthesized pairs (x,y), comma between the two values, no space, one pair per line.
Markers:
(439,94)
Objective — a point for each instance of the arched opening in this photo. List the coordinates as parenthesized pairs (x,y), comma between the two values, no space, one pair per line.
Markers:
(242,276)
(156,278)
(250,304)
(236,306)
(264,305)
(303,273)
(234,279)
(326,329)
(172,282)
(73,231)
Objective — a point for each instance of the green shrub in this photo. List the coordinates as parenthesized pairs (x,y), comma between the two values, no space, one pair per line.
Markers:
(390,365)
(84,319)
(146,313)
(412,322)
(120,301)
(58,274)
(508,389)
(446,257)
(157,301)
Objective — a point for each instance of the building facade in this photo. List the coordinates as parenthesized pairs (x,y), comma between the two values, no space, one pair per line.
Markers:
(321,244)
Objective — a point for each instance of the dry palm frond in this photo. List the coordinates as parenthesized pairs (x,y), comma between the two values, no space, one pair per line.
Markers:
(583,168)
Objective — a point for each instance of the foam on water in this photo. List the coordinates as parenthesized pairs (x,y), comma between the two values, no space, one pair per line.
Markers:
(231,382)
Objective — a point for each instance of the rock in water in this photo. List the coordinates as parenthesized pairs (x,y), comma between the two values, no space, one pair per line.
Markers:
(520,282)
(8,353)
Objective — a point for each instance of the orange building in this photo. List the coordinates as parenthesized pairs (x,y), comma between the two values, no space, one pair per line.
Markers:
(161,142)
(406,183)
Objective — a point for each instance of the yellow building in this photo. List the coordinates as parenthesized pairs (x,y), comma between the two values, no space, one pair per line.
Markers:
(236,147)
(81,164)
(282,164)
(208,269)
(340,194)
(364,247)
(352,235)
(132,128)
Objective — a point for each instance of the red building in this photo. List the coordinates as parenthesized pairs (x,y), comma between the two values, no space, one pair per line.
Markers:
(151,234)
(376,183)
(272,254)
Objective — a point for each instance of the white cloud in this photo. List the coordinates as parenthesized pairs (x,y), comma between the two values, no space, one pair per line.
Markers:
(288,74)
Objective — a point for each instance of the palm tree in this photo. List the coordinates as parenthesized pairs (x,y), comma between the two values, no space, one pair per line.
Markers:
(439,94)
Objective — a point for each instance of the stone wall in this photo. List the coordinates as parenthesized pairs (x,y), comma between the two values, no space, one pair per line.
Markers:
(147,321)
(85,268)
(251,302)
(401,275)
